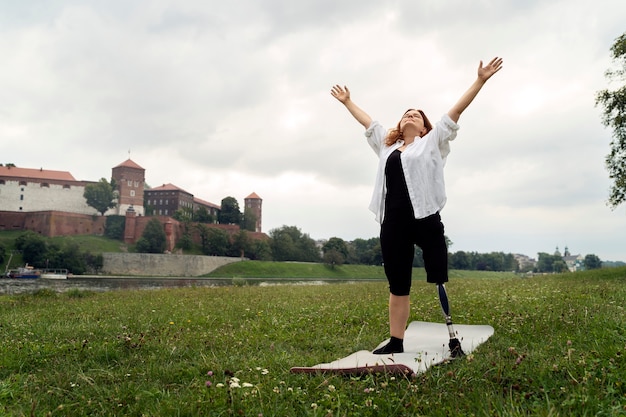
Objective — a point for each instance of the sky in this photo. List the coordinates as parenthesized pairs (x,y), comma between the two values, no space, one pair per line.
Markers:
(226,98)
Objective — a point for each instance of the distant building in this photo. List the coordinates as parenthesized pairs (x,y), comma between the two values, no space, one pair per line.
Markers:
(254,203)
(212,209)
(525,263)
(168,198)
(574,262)
(130,180)
(29,190)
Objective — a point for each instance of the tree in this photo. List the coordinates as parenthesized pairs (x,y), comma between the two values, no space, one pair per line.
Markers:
(261,251)
(67,256)
(153,238)
(33,248)
(550,263)
(333,258)
(230,213)
(241,243)
(115,227)
(249,220)
(460,260)
(365,252)
(614,116)
(288,243)
(213,242)
(338,245)
(592,262)
(335,252)
(101,195)
(202,215)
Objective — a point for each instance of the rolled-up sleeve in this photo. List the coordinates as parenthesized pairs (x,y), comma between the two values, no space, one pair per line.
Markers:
(445,131)
(375,135)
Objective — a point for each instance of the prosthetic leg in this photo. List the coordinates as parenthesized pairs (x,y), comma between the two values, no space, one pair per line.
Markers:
(454,344)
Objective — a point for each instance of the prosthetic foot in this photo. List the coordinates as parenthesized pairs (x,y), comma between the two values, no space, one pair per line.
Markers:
(454,344)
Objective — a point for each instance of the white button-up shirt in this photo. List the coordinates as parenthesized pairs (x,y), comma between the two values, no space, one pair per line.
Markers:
(422,163)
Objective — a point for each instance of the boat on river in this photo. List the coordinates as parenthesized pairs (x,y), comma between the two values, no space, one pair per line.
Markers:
(26,272)
(54,273)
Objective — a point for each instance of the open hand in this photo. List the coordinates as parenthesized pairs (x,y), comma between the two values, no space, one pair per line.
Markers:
(340,93)
(495,65)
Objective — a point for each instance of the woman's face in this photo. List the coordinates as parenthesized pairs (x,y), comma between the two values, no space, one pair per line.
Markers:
(413,121)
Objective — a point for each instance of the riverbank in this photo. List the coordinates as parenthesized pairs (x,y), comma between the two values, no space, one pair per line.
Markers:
(559,348)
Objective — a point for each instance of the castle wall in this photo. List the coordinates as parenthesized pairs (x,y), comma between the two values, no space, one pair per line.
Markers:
(157,265)
(53,223)
(36,195)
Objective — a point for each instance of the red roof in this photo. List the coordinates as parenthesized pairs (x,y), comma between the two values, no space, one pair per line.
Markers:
(253,196)
(168,187)
(129,163)
(40,174)
(206,203)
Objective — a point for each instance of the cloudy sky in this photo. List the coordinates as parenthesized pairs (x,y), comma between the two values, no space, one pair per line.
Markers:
(225,98)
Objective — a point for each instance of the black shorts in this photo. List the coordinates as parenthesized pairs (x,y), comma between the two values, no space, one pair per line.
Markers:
(398,240)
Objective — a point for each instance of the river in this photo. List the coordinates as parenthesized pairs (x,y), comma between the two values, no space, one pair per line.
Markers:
(17,286)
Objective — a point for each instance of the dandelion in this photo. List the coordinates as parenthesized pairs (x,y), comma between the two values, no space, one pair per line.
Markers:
(171,322)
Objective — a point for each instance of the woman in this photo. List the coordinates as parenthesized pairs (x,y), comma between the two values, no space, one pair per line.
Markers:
(408,195)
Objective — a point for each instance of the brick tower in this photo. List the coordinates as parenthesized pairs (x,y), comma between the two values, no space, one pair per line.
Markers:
(130,179)
(254,203)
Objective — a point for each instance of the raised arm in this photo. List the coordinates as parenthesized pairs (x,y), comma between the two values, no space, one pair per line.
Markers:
(484,73)
(343,95)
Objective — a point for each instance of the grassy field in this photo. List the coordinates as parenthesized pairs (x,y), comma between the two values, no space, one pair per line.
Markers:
(559,349)
(302,270)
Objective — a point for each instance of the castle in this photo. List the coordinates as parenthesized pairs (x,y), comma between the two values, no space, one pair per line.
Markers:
(52,202)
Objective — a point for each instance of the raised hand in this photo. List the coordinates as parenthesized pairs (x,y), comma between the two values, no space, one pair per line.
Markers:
(484,73)
(340,93)
(343,95)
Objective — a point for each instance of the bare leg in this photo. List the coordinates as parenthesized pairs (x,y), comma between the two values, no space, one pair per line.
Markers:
(454,344)
(399,309)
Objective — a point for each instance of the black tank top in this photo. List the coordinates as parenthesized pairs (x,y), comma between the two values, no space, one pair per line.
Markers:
(397,202)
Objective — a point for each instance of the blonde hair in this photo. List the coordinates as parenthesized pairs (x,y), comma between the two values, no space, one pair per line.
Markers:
(395,134)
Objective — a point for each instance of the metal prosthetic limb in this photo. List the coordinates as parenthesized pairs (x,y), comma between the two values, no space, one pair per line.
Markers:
(454,344)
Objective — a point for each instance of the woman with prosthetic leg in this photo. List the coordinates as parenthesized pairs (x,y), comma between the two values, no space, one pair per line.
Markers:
(408,196)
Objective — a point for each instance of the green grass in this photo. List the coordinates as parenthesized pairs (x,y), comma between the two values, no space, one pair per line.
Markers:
(559,349)
(301,270)
(262,269)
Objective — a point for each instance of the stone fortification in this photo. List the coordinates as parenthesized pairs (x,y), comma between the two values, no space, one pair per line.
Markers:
(157,265)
